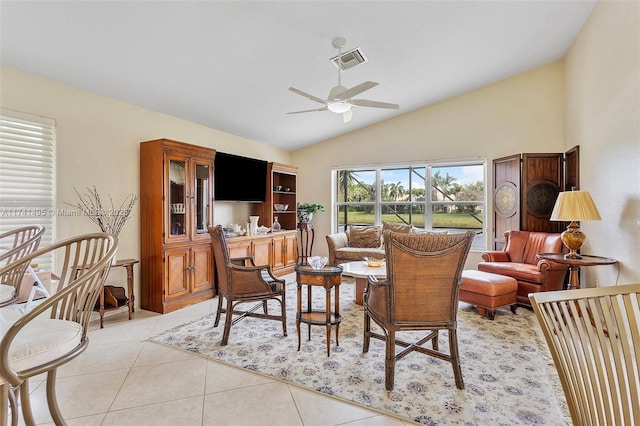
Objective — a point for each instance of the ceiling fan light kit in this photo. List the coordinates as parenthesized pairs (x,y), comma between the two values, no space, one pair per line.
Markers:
(339,107)
(340,99)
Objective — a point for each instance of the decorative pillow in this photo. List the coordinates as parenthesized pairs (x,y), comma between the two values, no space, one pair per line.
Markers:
(396,227)
(364,236)
(423,231)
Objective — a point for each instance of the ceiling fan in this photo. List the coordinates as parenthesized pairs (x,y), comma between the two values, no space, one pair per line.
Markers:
(340,99)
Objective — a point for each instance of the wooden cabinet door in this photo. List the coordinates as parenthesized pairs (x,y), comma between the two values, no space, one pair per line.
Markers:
(279,252)
(542,180)
(202,268)
(176,276)
(291,250)
(239,249)
(506,198)
(176,198)
(200,199)
(263,251)
(572,169)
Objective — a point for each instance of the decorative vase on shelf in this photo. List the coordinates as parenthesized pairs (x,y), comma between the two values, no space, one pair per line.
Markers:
(276,225)
(253,227)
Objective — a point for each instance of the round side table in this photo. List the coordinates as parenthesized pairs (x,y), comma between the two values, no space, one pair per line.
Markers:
(328,277)
(575,264)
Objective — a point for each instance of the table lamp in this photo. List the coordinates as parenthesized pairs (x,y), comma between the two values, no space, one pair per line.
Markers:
(574,206)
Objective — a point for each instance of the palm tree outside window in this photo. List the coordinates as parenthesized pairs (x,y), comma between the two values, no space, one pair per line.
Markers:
(398,194)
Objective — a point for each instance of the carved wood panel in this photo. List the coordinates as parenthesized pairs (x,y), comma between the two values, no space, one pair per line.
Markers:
(542,180)
(525,189)
(506,197)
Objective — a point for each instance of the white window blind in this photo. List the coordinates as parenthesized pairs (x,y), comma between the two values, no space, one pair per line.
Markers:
(27,174)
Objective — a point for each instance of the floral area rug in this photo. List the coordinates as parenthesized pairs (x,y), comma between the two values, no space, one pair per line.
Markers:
(508,373)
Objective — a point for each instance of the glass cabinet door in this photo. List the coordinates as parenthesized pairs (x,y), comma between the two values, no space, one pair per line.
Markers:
(202,198)
(177,198)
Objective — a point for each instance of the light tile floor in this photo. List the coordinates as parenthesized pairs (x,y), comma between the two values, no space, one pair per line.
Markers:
(124,379)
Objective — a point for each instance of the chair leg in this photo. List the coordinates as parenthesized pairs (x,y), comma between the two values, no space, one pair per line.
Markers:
(217,321)
(434,341)
(264,307)
(13,404)
(390,360)
(4,406)
(25,403)
(455,358)
(367,336)
(54,409)
(284,314)
(227,323)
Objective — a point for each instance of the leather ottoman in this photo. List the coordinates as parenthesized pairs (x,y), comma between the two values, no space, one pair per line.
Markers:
(488,291)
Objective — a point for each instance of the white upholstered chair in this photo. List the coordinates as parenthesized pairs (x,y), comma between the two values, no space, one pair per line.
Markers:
(55,331)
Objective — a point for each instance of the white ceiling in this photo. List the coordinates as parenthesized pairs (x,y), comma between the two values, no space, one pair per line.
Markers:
(228,64)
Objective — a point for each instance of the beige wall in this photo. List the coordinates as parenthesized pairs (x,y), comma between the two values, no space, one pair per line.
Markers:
(603,117)
(98,144)
(520,114)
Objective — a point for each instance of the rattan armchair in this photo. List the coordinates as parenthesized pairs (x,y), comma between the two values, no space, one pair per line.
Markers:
(54,332)
(14,245)
(419,293)
(594,337)
(241,281)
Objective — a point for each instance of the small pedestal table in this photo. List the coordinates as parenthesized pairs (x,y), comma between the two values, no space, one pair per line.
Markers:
(328,277)
(575,264)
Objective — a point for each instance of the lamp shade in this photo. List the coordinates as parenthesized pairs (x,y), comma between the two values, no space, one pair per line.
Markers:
(575,206)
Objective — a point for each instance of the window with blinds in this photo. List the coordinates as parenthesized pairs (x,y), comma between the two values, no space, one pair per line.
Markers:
(27,175)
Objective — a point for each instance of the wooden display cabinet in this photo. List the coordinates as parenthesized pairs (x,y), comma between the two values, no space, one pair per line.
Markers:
(176,209)
(281,189)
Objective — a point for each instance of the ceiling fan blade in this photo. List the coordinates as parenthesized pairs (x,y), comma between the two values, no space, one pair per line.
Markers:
(306,95)
(373,104)
(356,90)
(346,116)
(308,110)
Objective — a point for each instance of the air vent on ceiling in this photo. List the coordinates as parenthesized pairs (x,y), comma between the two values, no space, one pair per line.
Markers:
(349,59)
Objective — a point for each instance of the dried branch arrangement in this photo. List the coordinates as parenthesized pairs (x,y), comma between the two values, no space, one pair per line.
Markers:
(109,220)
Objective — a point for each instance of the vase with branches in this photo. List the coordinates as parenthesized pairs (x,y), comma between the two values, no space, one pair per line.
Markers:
(109,218)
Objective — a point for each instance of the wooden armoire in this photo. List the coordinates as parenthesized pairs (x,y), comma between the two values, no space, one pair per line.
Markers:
(176,209)
(525,189)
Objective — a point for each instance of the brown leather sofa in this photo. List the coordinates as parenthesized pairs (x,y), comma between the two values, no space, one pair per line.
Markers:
(518,260)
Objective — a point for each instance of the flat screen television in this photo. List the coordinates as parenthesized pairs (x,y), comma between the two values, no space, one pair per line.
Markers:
(238,178)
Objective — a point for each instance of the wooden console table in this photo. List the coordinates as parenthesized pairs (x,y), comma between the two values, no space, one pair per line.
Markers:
(575,264)
(128,265)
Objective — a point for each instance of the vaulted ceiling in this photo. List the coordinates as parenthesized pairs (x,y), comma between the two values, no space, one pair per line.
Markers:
(228,64)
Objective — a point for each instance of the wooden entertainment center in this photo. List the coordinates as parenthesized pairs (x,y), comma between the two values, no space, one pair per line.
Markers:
(176,209)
